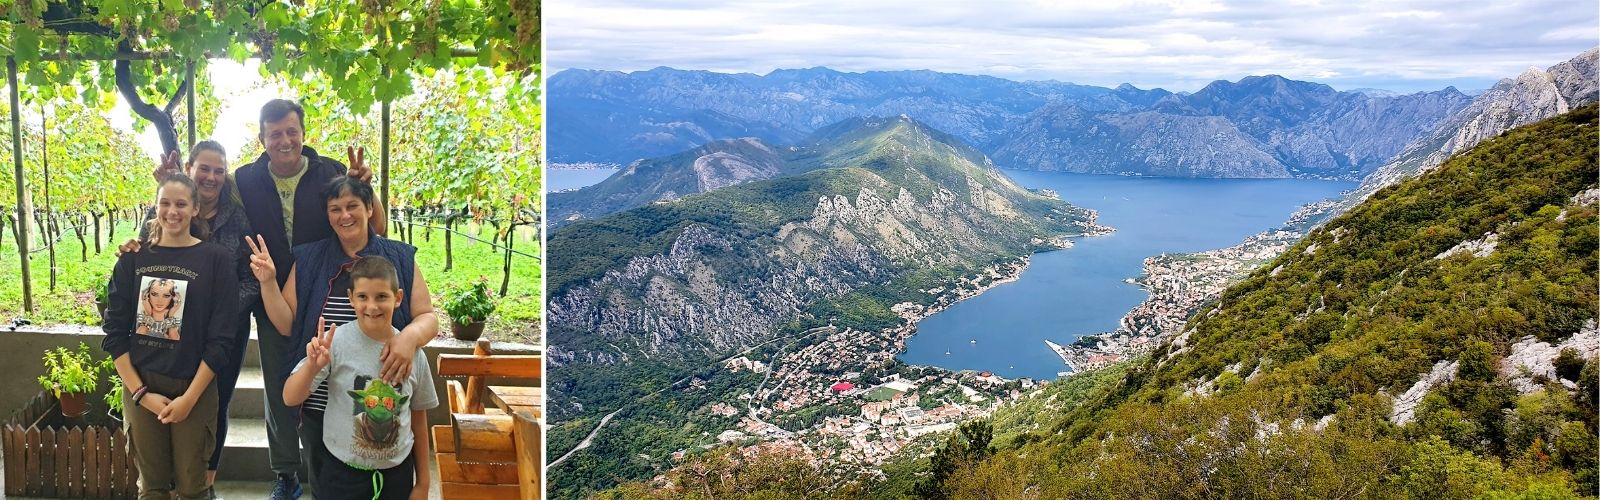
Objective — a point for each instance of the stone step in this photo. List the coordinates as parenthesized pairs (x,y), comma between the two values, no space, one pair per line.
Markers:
(245,455)
(248,395)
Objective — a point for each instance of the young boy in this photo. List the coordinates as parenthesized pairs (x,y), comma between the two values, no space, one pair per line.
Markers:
(375,437)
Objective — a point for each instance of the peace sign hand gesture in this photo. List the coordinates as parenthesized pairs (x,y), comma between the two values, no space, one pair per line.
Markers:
(317,351)
(169,165)
(261,261)
(358,163)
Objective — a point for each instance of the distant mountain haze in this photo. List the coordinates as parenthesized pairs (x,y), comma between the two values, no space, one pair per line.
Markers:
(1259,126)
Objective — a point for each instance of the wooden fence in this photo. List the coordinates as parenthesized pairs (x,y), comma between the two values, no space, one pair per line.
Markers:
(55,462)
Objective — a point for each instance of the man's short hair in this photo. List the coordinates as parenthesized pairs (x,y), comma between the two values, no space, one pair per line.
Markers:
(375,267)
(276,109)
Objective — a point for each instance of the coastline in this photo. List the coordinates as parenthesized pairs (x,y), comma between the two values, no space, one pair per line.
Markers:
(1178,284)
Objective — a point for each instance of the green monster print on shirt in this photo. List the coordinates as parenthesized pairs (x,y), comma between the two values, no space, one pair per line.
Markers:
(374,413)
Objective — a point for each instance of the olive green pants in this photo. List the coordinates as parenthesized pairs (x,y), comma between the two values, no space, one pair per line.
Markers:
(172,458)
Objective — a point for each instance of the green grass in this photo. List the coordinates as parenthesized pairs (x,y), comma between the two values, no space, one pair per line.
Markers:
(72,302)
(879,394)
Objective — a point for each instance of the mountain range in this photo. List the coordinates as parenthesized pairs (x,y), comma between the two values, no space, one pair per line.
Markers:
(1534,95)
(888,211)
(1259,126)
(871,201)
(725,244)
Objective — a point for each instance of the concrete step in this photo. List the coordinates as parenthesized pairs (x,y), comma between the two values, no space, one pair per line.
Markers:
(252,352)
(248,395)
(245,456)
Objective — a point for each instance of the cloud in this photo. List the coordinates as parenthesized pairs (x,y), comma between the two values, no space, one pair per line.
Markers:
(1176,44)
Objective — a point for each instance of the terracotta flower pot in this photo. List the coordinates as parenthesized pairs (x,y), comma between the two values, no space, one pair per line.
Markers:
(468,332)
(74,405)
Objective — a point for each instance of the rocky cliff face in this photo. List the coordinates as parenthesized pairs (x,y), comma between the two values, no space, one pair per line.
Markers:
(1266,126)
(1530,97)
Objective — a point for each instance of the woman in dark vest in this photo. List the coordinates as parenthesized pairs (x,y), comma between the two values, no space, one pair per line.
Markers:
(317,290)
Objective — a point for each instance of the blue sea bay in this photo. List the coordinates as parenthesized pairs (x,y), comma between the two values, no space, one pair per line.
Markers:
(1080,291)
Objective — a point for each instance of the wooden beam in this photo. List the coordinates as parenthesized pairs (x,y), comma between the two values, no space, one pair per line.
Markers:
(459,365)
(476,472)
(483,438)
(444,440)
(450,490)
(459,402)
(530,460)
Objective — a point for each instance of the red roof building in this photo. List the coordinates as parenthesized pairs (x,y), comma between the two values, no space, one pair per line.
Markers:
(843,386)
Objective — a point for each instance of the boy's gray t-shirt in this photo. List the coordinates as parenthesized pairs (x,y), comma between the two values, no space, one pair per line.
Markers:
(368,423)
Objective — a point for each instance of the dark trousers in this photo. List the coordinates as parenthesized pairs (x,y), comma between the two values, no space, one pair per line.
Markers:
(337,481)
(227,379)
(316,452)
(283,440)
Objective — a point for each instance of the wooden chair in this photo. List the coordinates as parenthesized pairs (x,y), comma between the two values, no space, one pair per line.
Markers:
(489,452)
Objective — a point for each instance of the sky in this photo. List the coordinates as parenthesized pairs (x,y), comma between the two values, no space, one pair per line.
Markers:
(1179,45)
(240,89)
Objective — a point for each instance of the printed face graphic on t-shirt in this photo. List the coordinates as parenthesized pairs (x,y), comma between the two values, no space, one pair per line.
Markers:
(374,412)
(160,310)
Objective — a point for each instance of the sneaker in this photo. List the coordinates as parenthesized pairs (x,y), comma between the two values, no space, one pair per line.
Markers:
(286,487)
(211,493)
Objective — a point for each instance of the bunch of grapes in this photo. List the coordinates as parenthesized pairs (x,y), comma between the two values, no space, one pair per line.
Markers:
(265,41)
(29,16)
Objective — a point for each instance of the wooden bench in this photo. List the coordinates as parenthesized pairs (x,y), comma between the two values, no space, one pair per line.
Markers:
(490,452)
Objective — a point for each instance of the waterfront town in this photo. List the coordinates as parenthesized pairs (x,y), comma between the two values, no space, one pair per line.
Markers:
(1178,284)
(841,395)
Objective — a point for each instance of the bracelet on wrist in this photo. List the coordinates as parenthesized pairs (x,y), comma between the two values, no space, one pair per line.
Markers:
(139,394)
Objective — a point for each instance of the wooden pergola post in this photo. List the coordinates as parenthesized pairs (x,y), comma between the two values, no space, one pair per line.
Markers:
(383,155)
(192,85)
(22,198)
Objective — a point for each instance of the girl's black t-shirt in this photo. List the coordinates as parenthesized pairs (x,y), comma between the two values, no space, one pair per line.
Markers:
(169,308)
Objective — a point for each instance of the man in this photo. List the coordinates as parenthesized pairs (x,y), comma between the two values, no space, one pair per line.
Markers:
(282,198)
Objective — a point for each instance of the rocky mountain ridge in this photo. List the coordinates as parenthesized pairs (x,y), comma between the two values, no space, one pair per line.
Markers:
(1532,96)
(1260,126)
(737,262)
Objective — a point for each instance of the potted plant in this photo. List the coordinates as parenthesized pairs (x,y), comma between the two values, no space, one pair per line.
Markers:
(70,376)
(114,396)
(468,308)
(100,297)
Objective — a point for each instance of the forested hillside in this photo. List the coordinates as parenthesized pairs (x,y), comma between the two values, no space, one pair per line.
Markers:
(1437,341)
